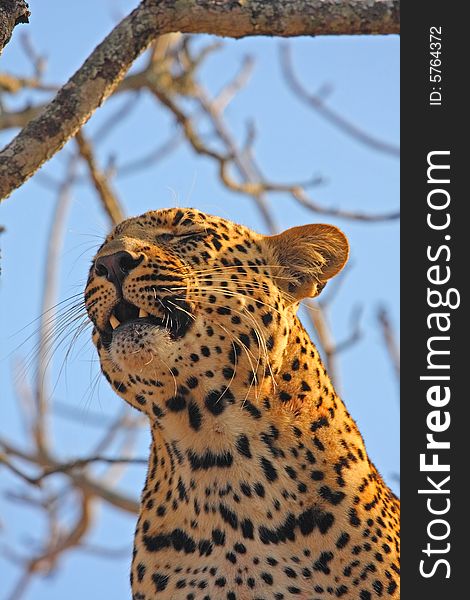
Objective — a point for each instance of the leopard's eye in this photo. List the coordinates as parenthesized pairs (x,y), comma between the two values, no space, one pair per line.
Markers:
(192,235)
(166,237)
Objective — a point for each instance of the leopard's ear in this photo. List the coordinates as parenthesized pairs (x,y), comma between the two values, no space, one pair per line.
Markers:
(305,257)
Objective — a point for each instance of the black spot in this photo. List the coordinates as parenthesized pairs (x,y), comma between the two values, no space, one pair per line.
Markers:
(182,541)
(183,495)
(317,475)
(243,446)
(192,382)
(378,587)
(285,531)
(247,529)
(140,399)
(234,353)
(353,518)
(195,417)
(365,595)
(140,571)
(321,422)
(160,581)
(392,586)
(267,578)
(322,563)
(208,460)
(155,543)
(251,408)
(205,548)
(176,403)
(157,411)
(332,497)
(220,582)
(205,351)
(245,339)
(290,572)
(269,470)
(267,318)
(178,216)
(228,516)
(295,364)
(259,489)
(314,517)
(284,396)
(246,489)
(228,372)
(119,387)
(214,402)
(342,540)
(240,548)
(341,590)
(218,537)
(291,472)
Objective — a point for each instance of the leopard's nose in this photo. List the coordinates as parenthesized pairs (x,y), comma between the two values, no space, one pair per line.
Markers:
(115,267)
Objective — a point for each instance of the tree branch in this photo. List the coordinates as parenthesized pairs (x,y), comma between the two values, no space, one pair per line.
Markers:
(317,103)
(103,188)
(106,66)
(12,12)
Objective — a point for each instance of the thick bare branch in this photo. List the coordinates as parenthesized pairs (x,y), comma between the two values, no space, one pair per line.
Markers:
(12,12)
(104,69)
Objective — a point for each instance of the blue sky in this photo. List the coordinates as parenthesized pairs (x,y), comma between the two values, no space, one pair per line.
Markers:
(293,143)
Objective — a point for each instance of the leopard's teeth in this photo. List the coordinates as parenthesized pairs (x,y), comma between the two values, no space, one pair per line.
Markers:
(114,321)
(143,313)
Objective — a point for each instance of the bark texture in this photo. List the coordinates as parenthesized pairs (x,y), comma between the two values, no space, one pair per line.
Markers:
(87,89)
(12,12)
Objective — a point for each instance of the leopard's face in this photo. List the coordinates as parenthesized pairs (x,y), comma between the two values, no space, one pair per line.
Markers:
(178,298)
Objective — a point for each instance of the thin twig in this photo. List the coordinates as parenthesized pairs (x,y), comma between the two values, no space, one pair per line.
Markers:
(389,340)
(317,102)
(103,188)
(49,299)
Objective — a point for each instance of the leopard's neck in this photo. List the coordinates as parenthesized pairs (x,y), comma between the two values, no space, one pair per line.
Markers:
(289,448)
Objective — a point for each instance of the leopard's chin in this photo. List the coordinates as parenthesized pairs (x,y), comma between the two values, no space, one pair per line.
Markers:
(140,345)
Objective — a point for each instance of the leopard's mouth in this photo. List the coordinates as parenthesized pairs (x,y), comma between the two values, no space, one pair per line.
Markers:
(176,319)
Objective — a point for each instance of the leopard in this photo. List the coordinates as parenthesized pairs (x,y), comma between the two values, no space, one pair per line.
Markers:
(259,486)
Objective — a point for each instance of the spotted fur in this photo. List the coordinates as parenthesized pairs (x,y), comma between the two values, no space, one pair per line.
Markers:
(259,485)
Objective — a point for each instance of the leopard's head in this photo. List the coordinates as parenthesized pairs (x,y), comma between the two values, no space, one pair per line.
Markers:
(180,299)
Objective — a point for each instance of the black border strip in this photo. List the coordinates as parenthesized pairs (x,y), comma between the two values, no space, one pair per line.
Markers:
(441,128)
